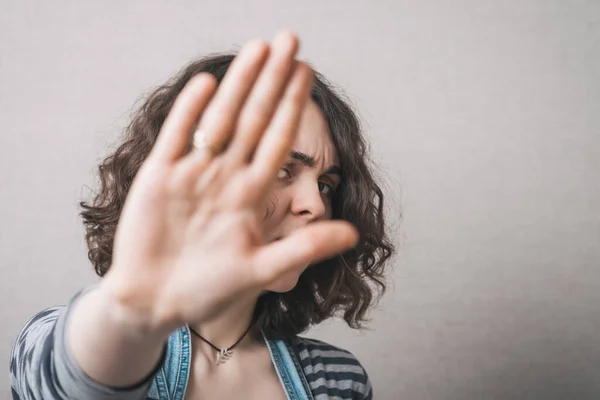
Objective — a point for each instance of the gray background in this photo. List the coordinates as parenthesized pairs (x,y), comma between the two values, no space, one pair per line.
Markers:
(483,115)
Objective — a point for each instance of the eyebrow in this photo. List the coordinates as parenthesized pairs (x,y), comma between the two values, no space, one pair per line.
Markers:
(309,161)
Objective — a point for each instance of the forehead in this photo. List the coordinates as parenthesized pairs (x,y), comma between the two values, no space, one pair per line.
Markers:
(314,137)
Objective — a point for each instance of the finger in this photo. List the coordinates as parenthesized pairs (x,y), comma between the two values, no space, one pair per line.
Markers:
(315,242)
(174,134)
(264,97)
(187,172)
(275,145)
(218,121)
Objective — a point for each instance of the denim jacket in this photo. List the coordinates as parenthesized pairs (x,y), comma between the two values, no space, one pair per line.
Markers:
(171,379)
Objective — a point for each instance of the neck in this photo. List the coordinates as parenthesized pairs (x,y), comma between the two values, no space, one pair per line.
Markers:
(228,326)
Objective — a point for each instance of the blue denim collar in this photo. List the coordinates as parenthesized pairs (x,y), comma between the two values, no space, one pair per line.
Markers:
(170,382)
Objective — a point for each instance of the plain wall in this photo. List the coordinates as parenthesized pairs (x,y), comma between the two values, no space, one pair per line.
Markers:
(483,116)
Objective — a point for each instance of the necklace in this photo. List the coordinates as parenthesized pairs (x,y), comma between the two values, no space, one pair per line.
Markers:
(225,353)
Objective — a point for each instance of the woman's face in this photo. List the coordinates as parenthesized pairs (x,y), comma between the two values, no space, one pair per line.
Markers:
(307,181)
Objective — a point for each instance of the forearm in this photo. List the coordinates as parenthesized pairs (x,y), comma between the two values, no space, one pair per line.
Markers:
(81,352)
(110,345)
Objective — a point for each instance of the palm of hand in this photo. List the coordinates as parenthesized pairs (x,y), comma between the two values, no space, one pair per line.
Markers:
(190,234)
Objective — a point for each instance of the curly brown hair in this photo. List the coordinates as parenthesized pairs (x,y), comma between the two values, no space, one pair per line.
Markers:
(349,283)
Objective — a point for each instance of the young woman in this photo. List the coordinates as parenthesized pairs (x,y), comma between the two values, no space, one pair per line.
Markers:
(227,222)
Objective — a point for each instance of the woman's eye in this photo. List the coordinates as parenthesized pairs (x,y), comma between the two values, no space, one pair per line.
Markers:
(325,189)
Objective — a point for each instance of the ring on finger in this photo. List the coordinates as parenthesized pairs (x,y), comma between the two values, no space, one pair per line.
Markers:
(201,142)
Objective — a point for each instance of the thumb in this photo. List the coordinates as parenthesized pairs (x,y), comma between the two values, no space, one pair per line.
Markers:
(313,243)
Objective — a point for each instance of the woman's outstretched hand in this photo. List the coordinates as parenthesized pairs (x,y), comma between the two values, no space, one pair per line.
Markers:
(190,237)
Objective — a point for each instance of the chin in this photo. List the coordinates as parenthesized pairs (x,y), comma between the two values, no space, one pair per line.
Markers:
(285,284)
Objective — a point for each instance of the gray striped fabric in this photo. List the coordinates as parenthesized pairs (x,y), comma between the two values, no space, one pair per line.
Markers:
(42,369)
(331,372)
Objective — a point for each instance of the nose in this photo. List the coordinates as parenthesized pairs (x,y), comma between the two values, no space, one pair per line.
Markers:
(308,202)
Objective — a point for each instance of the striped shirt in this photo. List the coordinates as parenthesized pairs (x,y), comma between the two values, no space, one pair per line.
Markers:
(42,369)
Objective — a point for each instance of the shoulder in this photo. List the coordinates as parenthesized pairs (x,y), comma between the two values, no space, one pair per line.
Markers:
(41,324)
(331,370)
(322,351)
(36,328)
(30,343)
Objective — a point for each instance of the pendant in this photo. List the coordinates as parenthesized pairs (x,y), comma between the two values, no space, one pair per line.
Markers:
(223,355)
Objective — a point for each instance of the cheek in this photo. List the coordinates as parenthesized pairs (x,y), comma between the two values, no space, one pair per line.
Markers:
(328,211)
(272,204)
(273,212)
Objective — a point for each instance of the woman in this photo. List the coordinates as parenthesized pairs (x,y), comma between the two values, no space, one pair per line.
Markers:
(252,215)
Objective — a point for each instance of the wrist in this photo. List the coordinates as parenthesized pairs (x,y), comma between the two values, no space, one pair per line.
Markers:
(112,345)
(126,312)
